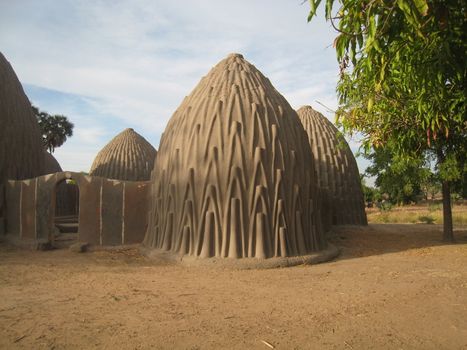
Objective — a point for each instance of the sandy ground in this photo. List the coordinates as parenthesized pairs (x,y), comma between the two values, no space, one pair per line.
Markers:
(393,287)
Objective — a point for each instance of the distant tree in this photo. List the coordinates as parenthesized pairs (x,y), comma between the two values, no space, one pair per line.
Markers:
(55,129)
(370,194)
(402,182)
(409,180)
(403,80)
(431,186)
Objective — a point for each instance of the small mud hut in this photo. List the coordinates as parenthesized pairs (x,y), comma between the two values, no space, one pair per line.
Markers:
(232,175)
(338,176)
(128,157)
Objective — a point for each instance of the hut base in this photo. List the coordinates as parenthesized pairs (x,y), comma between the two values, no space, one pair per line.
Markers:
(168,257)
(27,243)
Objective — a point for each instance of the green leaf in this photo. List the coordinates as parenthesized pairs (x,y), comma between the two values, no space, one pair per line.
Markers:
(370,104)
(313,7)
(328,8)
(406,8)
(371,27)
(421,6)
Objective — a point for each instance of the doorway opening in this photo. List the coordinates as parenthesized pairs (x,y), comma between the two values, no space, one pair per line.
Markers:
(66,218)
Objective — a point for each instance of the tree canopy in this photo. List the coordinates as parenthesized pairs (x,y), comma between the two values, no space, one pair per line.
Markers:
(402,79)
(55,129)
(402,183)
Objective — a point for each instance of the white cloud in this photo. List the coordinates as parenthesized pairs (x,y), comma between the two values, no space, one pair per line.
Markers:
(132,62)
(89,136)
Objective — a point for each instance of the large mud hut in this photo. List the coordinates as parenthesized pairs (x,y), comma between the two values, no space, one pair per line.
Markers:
(232,177)
(21,150)
(338,176)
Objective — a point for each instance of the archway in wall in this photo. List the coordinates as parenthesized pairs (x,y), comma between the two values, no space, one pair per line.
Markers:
(66,218)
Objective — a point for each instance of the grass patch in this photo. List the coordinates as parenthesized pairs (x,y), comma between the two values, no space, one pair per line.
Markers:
(432,214)
(426,219)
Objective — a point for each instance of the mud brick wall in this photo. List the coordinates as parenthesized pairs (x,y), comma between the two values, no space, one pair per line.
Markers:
(111,212)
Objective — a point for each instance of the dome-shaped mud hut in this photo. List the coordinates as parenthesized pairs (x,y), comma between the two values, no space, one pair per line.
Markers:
(128,157)
(21,150)
(338,176)
(232,175)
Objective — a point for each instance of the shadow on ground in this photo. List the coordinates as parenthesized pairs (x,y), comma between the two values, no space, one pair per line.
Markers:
(377,239)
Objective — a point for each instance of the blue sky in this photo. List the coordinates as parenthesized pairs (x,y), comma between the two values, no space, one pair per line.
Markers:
(110,65)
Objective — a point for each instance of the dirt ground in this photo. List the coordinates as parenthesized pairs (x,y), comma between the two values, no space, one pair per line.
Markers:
(393,287)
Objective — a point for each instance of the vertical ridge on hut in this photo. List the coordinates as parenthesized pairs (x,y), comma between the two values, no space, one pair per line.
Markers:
(337,171)
(128,157)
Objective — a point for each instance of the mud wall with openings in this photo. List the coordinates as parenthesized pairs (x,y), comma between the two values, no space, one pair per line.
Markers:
(111,212)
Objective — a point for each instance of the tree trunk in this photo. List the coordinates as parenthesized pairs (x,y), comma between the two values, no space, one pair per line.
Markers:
(448,235)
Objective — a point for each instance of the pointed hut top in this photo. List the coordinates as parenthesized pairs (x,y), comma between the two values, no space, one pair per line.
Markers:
(20,141)
(234,74)
(234,54)
(51,164)
(128,156)
(320,128)
(308,113)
